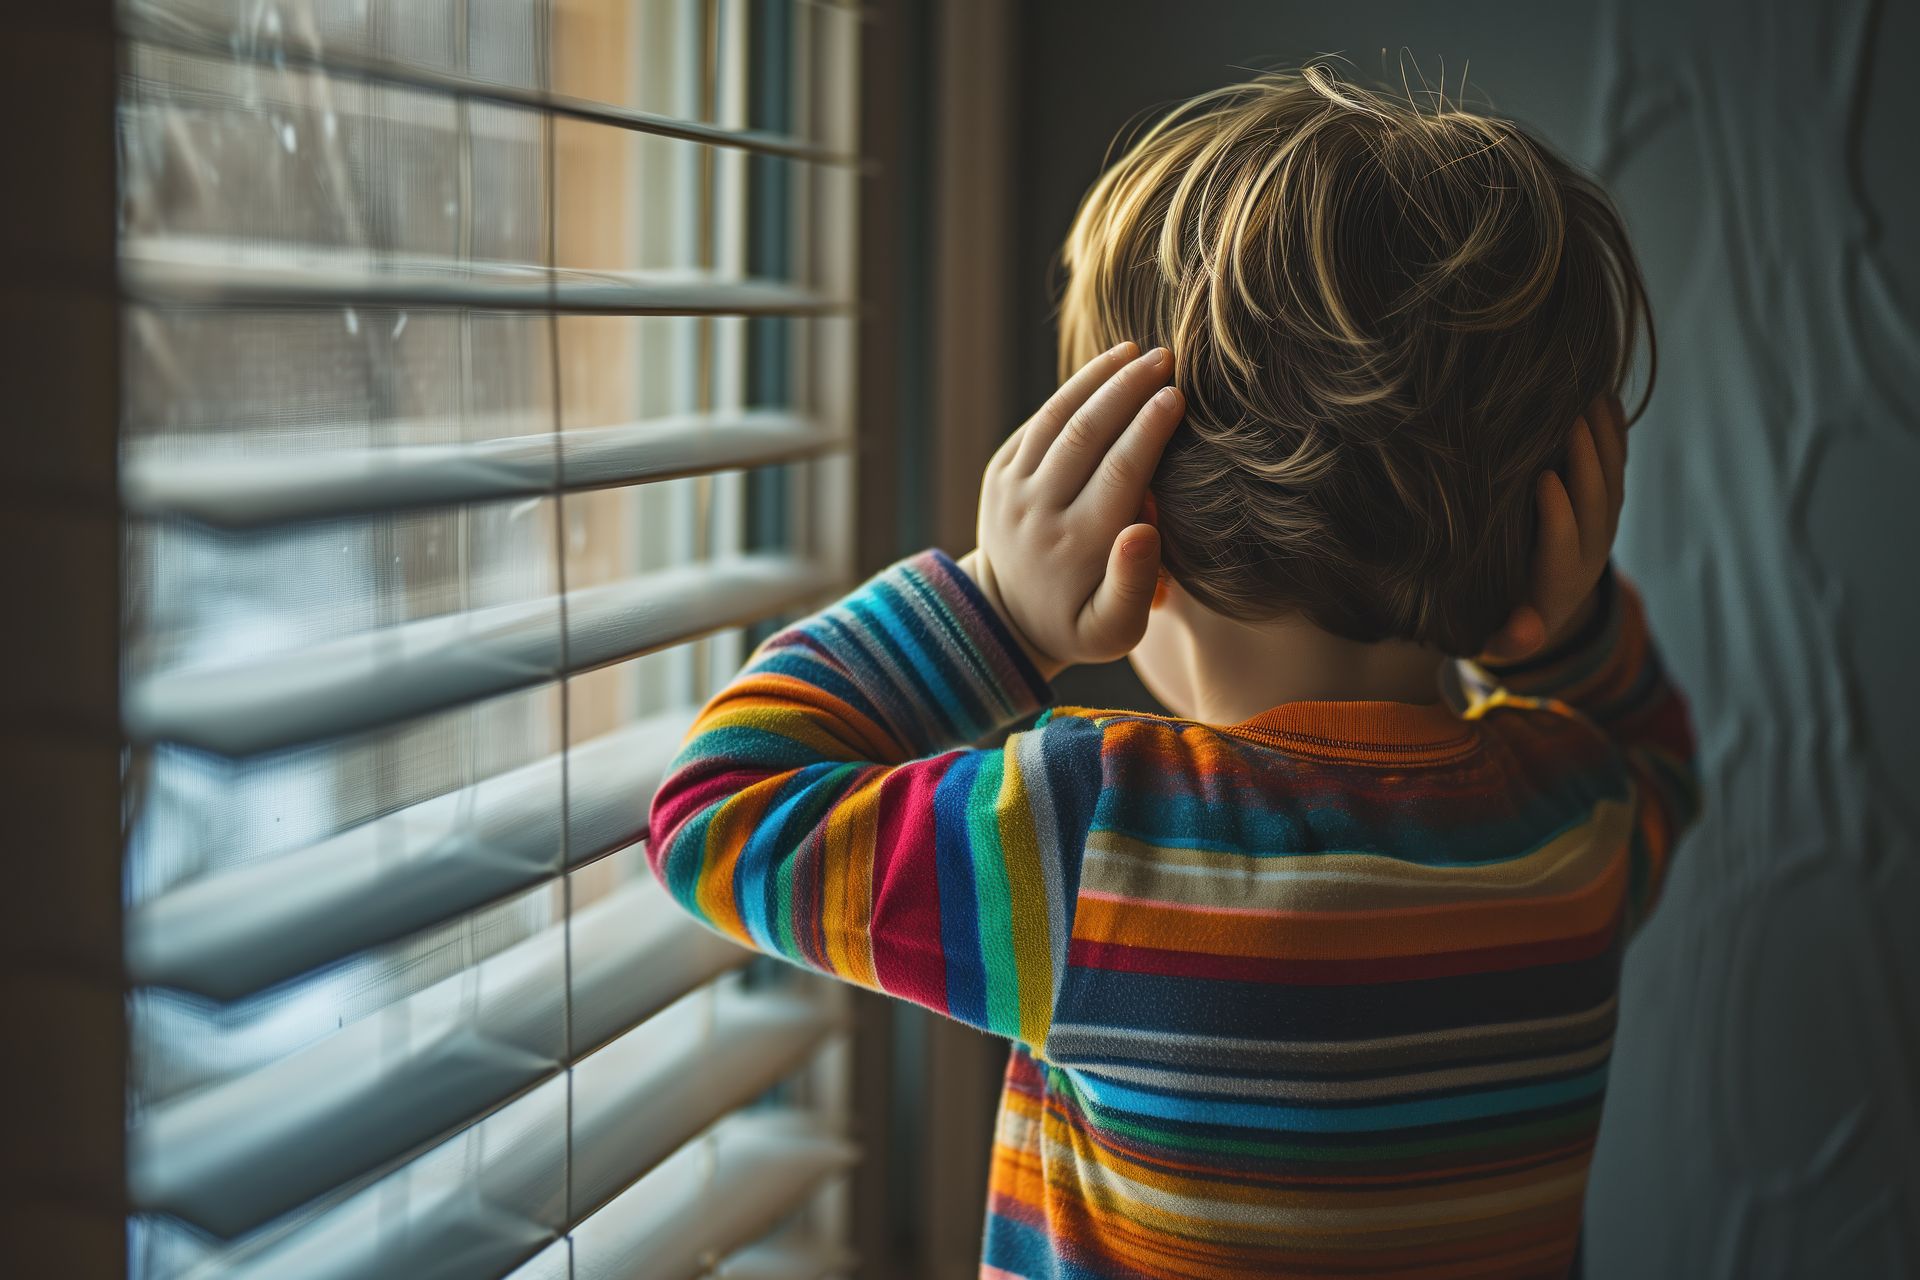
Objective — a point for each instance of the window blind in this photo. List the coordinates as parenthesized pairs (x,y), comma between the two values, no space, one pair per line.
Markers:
(487,376)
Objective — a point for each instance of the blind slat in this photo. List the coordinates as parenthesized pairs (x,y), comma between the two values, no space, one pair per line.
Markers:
(153,26)
(671,1224)
(480,1205)
(787,1260)
(385,676)
(435,1226)
(790,1256)
(396,1080)
(254,492)
(232,933)
(195,271)
(633,1104)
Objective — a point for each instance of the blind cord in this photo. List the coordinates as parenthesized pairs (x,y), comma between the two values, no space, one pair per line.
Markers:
(550,203)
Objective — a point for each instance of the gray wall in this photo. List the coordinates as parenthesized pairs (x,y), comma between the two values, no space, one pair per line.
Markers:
(1762,1115)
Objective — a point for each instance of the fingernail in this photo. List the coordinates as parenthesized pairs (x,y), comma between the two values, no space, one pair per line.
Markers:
(1167,397)
(1138,549)
(1121,348)
(1158,357)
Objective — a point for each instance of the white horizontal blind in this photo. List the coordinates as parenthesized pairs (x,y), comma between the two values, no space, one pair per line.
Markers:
(486,376)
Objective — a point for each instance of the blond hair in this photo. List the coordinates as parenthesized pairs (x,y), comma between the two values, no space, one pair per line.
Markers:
(1385,320)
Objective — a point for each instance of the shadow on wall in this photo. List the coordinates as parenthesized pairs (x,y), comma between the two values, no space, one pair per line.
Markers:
(1762,1109)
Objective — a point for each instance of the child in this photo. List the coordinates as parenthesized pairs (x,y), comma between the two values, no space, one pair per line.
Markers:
(1318,975)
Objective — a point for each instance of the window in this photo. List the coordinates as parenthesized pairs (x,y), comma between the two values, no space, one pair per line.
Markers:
(486,382)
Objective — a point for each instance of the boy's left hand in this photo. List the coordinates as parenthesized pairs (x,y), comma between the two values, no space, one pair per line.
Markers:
(1579,517)
(1062,552)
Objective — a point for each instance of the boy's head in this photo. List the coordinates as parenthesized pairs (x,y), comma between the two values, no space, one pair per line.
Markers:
(1384,319)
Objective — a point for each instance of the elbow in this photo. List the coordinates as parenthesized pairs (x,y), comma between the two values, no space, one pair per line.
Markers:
(688,802)
(664,822)
(673,826)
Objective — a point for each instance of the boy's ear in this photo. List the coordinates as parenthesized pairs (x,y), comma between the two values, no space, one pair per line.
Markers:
(1520,636)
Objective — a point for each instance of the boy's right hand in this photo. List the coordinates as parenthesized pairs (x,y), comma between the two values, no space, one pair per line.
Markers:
(1062,553)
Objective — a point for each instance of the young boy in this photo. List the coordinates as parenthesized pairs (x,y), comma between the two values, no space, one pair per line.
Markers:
(1318,975)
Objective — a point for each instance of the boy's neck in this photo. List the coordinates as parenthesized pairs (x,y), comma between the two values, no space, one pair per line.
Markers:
(1238,670)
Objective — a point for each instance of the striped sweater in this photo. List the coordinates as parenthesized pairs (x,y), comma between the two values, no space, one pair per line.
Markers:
(1327,993)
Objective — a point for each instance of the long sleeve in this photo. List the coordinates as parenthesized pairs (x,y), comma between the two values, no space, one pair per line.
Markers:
(827,809)
(1611,674)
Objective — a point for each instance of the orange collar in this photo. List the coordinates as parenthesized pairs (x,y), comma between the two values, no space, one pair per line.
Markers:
(1371,732)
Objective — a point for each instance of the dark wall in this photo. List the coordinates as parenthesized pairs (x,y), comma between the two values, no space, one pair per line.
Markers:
(1762,1117)
(63,1051)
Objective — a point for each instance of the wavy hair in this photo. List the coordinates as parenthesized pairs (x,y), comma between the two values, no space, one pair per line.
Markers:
(1385,320)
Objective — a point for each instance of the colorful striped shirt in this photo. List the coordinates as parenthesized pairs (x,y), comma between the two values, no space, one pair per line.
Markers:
(1330,992)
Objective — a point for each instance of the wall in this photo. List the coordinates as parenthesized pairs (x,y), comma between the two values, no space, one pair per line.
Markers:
(1762,1114)
(63,1053)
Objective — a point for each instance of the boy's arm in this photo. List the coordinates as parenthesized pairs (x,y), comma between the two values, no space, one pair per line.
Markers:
(818,812)
(1609,671)
(822,809)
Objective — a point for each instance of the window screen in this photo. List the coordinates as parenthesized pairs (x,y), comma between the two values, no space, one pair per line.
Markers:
(485,381)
